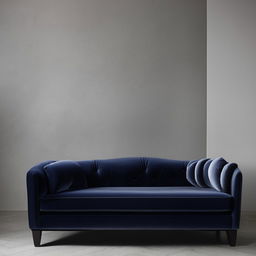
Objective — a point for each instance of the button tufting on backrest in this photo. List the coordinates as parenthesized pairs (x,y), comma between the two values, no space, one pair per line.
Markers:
(137,171)
(166,172)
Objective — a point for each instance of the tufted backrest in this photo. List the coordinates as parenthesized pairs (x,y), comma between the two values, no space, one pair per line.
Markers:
(214,173)
(139,171)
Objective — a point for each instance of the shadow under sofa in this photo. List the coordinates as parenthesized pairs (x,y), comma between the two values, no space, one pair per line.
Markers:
(134,194)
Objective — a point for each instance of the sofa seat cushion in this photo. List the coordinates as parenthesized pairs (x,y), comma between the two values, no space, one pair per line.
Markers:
(192,199)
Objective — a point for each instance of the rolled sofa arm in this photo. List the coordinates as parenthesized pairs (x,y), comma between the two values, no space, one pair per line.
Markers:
(36,187)
(220,175)
(236,192)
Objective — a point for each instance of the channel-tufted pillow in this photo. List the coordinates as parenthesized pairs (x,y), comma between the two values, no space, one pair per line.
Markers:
(214,172)
(205,172)
(225,176)
(65,175)
(199,172)
(196,171)
(190,172)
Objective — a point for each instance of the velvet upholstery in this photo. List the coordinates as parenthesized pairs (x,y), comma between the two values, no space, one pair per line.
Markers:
(134,220)
(134,193)
(199,172)
(65,175)
(211,173)
(226,175)
(190,174)
(214,172)
(171,199)
(205,172)
(236,188)
(137,171)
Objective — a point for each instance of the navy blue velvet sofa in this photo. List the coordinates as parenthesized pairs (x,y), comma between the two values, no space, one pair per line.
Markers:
(134,193)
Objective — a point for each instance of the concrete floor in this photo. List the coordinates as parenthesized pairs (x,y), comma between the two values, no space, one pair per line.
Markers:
(16,239)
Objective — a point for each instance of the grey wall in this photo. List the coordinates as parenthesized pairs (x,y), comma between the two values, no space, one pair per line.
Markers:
(231,87)
(99,79)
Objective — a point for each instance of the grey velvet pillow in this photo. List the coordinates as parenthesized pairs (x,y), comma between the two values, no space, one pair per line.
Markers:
(214,172)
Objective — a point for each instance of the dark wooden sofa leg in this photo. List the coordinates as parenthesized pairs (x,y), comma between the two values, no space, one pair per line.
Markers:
(37,234)
(232,234)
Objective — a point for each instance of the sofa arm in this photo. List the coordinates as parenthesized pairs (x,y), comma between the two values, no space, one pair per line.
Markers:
(236,192)
(36,187)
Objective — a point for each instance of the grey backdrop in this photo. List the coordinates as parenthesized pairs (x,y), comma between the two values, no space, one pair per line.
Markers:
(99,79)
(231,87)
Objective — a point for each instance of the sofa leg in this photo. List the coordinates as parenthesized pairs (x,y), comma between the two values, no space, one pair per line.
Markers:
(232,234)
(37,234)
